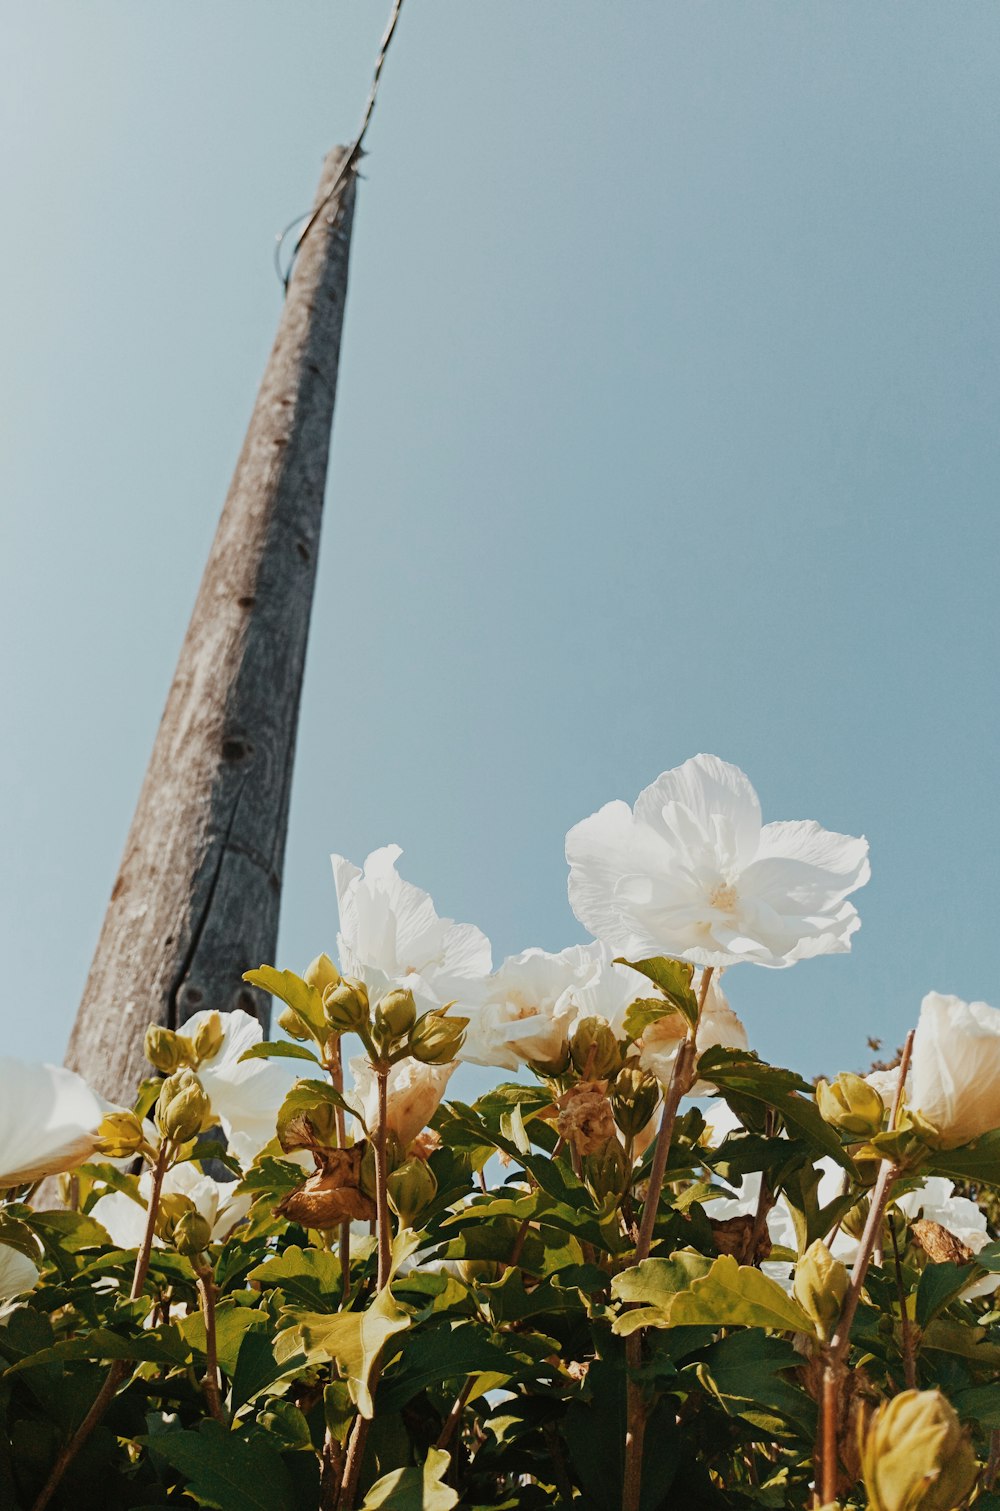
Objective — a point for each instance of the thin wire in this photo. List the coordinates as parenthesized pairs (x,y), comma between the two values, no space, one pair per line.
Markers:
(348,162)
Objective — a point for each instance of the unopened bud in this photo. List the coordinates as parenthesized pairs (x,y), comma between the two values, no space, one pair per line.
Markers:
(208,1038)
(290,1022)
(595,1050)
(321,973)
(396,1013)
(820,1285)
(165,1050)
(851,1105)
(192,1235)
(634,1096)
(915,1456)
(606,1173)
(346,1004)
(854,1221)
(436,1039)
(183,1108)
(411,1188)
(121,1135)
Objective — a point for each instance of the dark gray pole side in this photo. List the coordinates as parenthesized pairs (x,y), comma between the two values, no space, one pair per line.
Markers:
(196,899)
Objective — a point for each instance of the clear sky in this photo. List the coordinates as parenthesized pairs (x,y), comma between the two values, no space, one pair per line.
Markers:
(668,421)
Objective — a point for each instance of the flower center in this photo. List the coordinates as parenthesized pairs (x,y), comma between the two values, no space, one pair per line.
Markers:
(723,897)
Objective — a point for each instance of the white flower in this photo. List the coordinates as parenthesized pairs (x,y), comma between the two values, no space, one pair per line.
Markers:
(390,935)
(718,1024)
(48,1120)
(124,1220)
(955,1071)
(692,873)
(885,1082)
(937,1202)
(245,1097)
(18,1274)
(414,1094)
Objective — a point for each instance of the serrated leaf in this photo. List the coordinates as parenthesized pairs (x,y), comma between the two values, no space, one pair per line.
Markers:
(420,1489)
(310,1277)
(228,1471)
(307,1095)
(673,977)
(727,1294)
(738,1074)
(305,1001)
(355,1340)
(277,1049)
(645,1011)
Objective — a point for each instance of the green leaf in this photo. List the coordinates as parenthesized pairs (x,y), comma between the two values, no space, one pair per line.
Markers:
(746,1372)
(308,1276)
(939,1285)
(739,1073)
(307,1095)
(231,1323)
(305,1001)
(650,1288)
(980,1403)
(644,1011)
(726,1295)
(415,1489)
(431,1356)
(673,977)
(978,1162)
(277,1049)
(229,1471)
(355,1340)
(946,1336)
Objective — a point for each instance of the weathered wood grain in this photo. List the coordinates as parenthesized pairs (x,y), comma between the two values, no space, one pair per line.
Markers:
(196,899)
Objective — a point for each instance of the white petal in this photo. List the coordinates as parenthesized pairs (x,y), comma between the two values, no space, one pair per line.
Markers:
(620,875)
(48,1120)
(720,799)
(18,1274)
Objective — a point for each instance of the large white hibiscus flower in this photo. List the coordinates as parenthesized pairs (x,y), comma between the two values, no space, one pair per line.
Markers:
(48,1120)
(692,872)
(390,935)
(124,1220)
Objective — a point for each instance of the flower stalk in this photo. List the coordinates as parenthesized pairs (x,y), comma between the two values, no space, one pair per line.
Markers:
(210,1383)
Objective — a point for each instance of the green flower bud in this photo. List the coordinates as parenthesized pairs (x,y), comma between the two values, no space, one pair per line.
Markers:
(915,1456)
(821,1283)
(173,1206)
(851,1105)
(208,1038)
(120,1135)
(411,1188)
(396,1014)
(436,1039)
(321,973)
(481,1271)
(292,1024)
(854,1222)
(183,1109)
(167,1051)
(606,1173)
(346,1004)
(634,1096)
(192,1234)
(595,1051)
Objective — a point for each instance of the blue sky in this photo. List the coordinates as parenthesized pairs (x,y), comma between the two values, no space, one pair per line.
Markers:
(667,423)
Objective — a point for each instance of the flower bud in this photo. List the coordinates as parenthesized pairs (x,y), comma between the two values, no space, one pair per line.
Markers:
(183,1108)
(436,1039)
(915,1456)
(290,1022)
(594,1049)
(606,1172)
(120,1135)
(321,973)
(634,1096)
(192,1234)
(208,1038)
(851,1105)
(346,1004)
(411,1188)
(165,1050)
(480,1271)
(396,1014)
(821,1283)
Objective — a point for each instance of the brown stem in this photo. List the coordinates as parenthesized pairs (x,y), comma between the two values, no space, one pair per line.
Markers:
(836,1352)
(335,1067)
(906,1327)
(210,1384)
(119,1368)
(331,1470)
(381,1179)
(454,1416)
(636,1409)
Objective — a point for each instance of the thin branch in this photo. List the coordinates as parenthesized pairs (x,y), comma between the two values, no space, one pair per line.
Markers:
(210,1384)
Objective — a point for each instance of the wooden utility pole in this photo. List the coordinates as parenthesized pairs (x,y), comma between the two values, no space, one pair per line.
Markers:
(195,903)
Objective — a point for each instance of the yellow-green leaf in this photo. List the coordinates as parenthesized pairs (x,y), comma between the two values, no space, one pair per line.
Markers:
(355,1340)
(305,1001)
(726,1294)
(421,1489)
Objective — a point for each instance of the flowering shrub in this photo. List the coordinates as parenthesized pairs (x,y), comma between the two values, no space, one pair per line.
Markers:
(277,1283)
